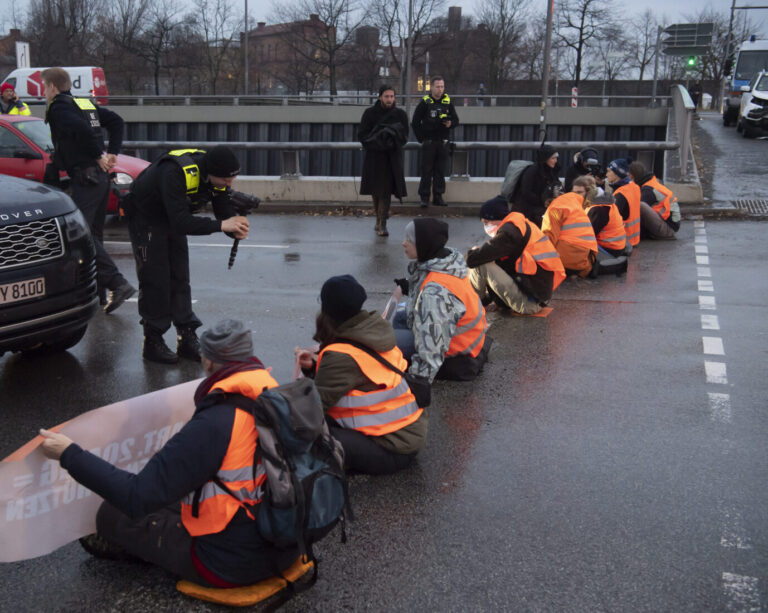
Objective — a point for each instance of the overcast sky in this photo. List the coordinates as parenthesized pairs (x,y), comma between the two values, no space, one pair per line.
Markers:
(667,11)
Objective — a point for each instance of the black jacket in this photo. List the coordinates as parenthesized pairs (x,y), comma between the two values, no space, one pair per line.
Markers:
(504,249)
(76,143)
(427,122)
(537,184)
(383,132)
(159,198)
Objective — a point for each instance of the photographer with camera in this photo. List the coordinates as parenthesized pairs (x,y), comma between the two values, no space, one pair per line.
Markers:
(160,211)
(585,162)
(433,119)
(78,146)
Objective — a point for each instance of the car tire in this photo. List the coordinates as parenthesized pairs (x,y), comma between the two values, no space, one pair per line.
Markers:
(747,132)
(64,343)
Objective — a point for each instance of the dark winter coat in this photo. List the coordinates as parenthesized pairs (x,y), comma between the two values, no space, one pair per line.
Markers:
(383,132)
(537,184)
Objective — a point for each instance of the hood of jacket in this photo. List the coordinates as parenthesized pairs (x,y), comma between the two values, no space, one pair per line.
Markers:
(369,329)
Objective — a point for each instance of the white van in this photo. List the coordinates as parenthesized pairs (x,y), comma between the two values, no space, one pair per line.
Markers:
(87,82)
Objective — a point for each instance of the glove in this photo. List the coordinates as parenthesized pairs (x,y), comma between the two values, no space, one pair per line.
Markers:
(403,285)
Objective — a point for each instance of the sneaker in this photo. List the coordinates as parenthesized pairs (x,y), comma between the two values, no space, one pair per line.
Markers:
(155,350)
(118,296)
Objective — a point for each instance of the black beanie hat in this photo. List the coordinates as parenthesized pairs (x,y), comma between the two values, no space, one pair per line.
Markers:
(222,162)
(342,297)
(494,209)
(544,153)
(431,235)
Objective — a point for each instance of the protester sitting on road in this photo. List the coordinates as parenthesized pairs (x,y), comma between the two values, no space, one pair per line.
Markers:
(626,195)
(518,267)
(605,218)
(585,162)
(210,537)
(538,184)
(370,408)
(659,211)
(568,228)
(442,330)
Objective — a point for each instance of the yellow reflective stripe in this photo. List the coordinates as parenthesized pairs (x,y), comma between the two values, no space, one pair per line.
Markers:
(84,104)
(192,178)
(377,419)
(445,99)
(178,152)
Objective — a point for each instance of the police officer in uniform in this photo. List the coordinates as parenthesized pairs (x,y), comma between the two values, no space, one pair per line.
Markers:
(160,216)
(10,103)
(432,121)
(78,143)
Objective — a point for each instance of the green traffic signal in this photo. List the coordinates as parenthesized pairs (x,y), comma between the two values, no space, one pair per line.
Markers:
(691,61)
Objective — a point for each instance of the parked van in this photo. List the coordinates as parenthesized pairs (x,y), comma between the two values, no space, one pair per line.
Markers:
(87,82)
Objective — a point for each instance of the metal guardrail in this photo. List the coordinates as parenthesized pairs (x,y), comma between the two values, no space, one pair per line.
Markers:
(683,110)
(290,168)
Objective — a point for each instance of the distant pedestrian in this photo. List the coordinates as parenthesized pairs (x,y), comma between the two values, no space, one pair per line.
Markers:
(481,95)
(695,91)
(433,120)
(538,185)
(10,103)
(383,131)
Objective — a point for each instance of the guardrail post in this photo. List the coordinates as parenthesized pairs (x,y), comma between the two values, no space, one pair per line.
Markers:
(460,166)
(290,165)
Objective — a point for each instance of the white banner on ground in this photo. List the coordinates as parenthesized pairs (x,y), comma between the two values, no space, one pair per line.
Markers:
(43,508)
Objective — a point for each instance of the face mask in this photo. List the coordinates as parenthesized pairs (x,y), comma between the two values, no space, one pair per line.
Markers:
(490,229)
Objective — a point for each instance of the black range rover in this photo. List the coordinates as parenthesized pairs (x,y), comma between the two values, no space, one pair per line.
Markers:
(47,269)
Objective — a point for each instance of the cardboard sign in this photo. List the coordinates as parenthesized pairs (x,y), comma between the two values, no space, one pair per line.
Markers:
(43,508)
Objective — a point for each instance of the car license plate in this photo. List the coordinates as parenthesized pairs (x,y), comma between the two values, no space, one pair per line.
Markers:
(22,290)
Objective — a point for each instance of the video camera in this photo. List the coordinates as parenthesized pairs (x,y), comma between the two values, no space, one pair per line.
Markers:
(596,170)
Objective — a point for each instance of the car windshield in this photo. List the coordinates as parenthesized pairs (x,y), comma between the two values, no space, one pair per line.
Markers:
(38,132)
(762,84)
(750,63)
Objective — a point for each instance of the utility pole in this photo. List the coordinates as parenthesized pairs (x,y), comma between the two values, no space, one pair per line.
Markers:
(545,77)
(409,59)
(245,51)
(654,103)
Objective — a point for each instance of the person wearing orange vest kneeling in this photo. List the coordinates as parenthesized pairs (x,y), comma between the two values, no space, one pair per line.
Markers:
(518,268)
(442,330)
(659,211)
(174,513)
(567,226)
(369,407)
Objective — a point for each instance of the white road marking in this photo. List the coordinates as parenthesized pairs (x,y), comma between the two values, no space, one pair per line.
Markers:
(741,593)
(720,407)
(704,272)
(700,238)
(702,260)
(227,245)
(716,372)
(713,345)
(702,249)
(734,535)
(700,232)
(709,322)
(706,286)
(698,224)
(707,302)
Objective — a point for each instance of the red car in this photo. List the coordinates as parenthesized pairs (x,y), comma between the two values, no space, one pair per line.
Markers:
(26,148)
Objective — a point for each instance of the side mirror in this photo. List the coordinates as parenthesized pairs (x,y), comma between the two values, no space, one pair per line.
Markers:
(745,88)
(26,154)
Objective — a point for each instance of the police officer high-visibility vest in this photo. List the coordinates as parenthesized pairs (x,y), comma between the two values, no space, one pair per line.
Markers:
(209,509)
(576,228)
(381,411)
(664,207)
(539,251)
(613,235)
(631,192)
(471,328)
(188,166)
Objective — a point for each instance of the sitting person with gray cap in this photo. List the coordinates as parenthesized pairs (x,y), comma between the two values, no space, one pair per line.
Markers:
(174,513)
(442,330)
(369,406)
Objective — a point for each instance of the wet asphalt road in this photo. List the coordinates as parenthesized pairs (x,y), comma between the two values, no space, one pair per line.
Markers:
(587,469)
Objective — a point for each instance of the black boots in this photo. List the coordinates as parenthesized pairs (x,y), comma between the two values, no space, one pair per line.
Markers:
(437,200)
(187,345)
(155,349)
(118,295)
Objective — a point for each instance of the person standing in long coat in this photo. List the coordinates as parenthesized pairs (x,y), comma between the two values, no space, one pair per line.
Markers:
(383,131)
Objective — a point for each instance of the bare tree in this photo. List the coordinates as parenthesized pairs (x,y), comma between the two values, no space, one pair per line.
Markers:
(612,55)
(580,23)
(321,39)
(154,42)
(62,30)
(216,27)
(642,41)
(505,24)
(530,56)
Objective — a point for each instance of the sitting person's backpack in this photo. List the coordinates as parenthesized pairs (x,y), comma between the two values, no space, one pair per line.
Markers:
(305,492)
(512,178)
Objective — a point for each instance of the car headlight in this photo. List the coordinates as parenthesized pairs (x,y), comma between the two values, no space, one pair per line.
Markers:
(75,225)
(122,178)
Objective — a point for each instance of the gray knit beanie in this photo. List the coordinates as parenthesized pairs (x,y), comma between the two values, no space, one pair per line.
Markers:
(227,341)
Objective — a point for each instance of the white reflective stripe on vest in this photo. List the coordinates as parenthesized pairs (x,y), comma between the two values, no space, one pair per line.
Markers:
(371,398)
(613,240)
(472,323)
(581,224)
(210,489)
(377,419)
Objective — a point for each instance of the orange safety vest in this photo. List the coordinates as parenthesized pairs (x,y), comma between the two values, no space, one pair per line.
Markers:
(631,191)
(217,507)
(663,208)
(613,235)
(387,409)
(576,229)
(470,331)
(538,252)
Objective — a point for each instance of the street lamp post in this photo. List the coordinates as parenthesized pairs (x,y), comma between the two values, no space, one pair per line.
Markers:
(245,51)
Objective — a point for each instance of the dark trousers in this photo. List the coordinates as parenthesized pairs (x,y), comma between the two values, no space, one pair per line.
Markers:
(364,455)
(91,199)
(162,266)
(434,161)
(381,206)
(158,538)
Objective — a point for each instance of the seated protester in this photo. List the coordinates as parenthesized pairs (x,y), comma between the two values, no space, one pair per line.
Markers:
(518,267)
(442,331)
(566,224)
(538,184)
(659,211)
(605,218)
(626,195)
(585,162)
(369,407)
(172,513)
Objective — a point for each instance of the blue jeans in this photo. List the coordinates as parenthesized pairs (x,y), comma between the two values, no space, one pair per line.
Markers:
(404,335)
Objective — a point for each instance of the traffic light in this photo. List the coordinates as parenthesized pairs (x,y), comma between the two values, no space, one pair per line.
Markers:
(691,62)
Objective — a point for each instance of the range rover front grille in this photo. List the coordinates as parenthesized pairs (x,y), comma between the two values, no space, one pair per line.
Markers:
(33,241)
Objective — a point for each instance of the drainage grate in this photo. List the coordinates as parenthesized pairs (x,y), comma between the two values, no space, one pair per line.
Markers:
(754,207)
